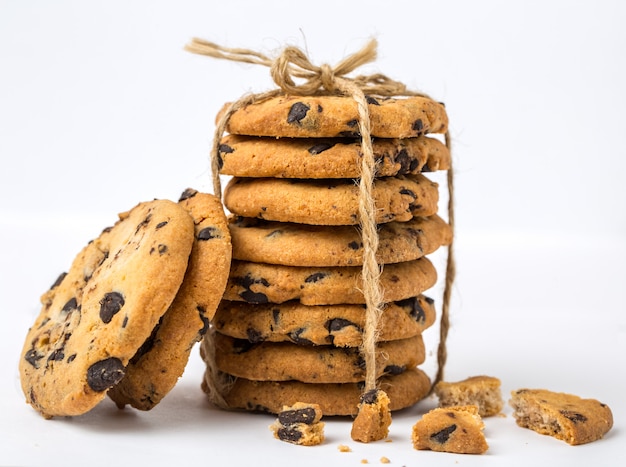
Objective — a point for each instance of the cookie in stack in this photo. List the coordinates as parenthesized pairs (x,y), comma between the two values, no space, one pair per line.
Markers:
(291,321)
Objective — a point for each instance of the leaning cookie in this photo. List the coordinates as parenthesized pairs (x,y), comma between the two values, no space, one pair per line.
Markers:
(564,416)
(96,316)
(330,201)
(332,116)
(338,325)
(251,156)
(154,370)
(273,283)
(335,399)
(282,361)
(261,241)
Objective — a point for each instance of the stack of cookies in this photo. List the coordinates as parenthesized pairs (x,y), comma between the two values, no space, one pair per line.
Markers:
(291,320)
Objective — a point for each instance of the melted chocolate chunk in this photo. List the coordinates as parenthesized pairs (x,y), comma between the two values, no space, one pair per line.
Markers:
(105,374)
(188,193)
(574,416)
(315,277)
(319,148)
(208,233)
(110,305)
(291,417)
(443,436)
(297,112)
(289,433)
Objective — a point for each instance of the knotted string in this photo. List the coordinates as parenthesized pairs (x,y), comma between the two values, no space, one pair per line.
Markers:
(294,74)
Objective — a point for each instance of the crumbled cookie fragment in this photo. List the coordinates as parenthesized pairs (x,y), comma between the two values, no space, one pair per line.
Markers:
(299,424)
(374,417)
(564,416)
(344,448)
(482,391)
(452,429)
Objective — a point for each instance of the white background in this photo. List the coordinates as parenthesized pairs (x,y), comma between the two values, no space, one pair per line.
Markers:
(101,108)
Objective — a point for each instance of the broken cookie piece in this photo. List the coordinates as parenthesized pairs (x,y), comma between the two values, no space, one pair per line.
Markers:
(564,416)
(482,391)
(374,417)
(299,424)
(453,429)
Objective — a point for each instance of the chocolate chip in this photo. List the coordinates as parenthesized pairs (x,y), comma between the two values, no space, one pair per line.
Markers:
(297,112)
(242,345)
(371,100)
(403,158)
(208,233)
(110,305)
(429,300)
(205,321)
(369,397)
(426,168)
(443,436)
(226,149)
(70,305)
(574,416)
(147,345)
(337,324)
(354,245)
(162,249)
(56,355)
(418,125)
(291,417)
(316,277)
(59,280)
(295,336)
(248,295)
(105,374)
(319,148)
(33,357)
(254,335)
(352,123)
(143,223)
(394,369)
(406,191)
(188,193)
(71,358)
(415,310)
(276,315)
(289,434)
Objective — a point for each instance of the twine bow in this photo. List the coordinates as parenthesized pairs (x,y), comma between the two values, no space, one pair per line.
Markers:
(294,74)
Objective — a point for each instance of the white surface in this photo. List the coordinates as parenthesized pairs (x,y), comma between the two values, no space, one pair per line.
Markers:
(100,108)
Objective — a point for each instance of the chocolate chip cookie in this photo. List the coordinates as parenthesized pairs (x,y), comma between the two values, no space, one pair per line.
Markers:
(273,283)
(97,315)
(251,156)
(154,370)
(330,201)
(337,116)
(291,244)
(338,325)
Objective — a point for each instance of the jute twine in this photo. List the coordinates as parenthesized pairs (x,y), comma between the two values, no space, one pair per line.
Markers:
(291,65)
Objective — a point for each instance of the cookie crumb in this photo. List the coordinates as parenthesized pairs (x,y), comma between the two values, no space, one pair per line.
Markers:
(385,460)
(344,448)
(364,461)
